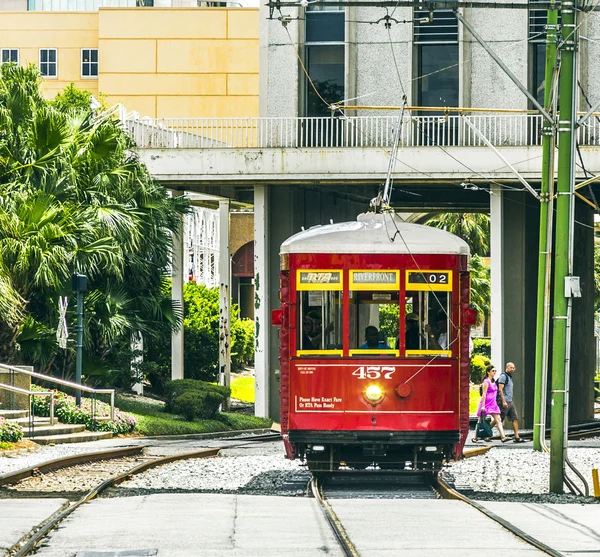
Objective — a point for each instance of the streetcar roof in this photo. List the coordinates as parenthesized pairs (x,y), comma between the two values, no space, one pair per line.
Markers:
(375,233)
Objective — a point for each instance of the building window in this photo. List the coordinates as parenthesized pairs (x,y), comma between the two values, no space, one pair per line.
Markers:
(89,62)
(10,55)
(325,34)
(48,62)
(436,46)
(437,79)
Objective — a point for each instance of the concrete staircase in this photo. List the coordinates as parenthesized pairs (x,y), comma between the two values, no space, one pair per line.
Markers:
(45,434)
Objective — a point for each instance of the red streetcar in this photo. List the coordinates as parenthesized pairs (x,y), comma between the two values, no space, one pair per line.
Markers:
(374,348)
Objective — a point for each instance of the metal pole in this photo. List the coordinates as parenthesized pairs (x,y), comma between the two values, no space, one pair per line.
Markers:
(225,298)
(561,258)
(543,293)
(79,345)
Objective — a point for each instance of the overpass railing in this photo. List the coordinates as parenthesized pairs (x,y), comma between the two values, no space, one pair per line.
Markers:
(501,130)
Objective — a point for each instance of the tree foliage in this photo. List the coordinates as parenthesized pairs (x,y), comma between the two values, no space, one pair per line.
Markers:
(75,198)
(201,340)
(473,228)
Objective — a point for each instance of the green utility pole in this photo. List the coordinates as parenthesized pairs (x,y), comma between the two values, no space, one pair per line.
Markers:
(546,206)
(565,196)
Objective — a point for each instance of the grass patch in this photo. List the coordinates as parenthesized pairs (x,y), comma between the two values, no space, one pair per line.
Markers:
(474,398)
(242,388)
(152,420)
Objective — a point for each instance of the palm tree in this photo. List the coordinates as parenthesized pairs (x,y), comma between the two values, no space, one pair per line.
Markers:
(480,288)
(74,198)
(473,228)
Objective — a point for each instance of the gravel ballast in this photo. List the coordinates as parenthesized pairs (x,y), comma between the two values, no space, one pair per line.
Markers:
(520,474)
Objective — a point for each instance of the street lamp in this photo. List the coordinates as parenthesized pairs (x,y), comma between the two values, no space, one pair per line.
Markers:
(79,285)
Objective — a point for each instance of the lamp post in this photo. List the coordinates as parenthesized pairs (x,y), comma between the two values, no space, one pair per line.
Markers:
(79,284)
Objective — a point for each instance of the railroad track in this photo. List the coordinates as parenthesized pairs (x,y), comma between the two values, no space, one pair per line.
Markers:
(417,485)
(103,469)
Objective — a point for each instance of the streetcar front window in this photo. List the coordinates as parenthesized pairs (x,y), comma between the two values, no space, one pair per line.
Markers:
(373,323)
(319,326)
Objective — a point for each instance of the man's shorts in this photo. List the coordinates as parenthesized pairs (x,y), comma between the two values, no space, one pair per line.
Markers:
(509,412)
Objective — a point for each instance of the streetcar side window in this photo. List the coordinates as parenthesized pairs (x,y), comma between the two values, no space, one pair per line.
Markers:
(319,327)
(428,325)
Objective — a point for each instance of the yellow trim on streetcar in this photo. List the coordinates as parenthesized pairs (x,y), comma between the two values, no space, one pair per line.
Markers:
(317,352)
(367,351)
(429,352)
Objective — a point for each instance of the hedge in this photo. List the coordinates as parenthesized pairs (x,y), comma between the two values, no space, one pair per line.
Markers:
(195,399)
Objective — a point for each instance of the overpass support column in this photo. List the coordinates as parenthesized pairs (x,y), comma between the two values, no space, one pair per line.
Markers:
(177,271)
(497,269)
(262,321)
(514,237)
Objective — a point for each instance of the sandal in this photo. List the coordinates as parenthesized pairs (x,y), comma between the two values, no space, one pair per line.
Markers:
(475,440)
(505,439)
(518,440)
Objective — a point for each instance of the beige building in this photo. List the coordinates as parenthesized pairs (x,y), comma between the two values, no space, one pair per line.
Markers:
(160,62)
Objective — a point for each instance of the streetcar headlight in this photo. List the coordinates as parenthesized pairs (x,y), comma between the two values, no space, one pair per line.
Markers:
(374,394)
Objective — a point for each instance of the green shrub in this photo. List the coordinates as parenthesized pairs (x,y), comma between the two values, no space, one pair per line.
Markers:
(478,365)
(201,340)
(242,343)
(10,432)
(482,346)
(91,413)
(198,404)
(195,399)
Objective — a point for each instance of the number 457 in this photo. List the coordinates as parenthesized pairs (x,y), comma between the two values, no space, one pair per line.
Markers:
(374,372)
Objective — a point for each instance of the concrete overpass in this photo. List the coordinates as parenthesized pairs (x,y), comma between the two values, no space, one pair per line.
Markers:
(305,171)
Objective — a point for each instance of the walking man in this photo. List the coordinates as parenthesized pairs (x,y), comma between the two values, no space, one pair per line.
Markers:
(505,395)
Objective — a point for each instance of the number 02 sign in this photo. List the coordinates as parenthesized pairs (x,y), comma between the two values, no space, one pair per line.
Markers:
(429,280)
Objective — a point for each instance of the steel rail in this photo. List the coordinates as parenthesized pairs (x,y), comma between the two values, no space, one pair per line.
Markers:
(66,462)
(333,521)
(31,543)
(448,492)
(23,548)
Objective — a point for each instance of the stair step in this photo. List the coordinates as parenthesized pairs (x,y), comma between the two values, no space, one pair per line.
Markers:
(57,429)
(13,414)
(25,421)
(81,437)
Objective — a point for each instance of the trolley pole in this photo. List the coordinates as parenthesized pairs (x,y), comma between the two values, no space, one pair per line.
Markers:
(565,194)
(545,242)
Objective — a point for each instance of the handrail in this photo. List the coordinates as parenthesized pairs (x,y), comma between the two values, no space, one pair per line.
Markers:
(34,393)
(58,381)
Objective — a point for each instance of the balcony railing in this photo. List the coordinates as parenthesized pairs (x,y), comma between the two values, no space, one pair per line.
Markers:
(501,130)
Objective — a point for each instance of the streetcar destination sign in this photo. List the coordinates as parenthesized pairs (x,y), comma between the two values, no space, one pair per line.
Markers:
(374,277)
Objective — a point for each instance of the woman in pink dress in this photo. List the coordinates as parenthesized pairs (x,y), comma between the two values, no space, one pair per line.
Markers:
(488,404)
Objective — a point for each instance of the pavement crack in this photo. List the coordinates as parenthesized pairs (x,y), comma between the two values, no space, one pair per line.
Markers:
(235,519)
